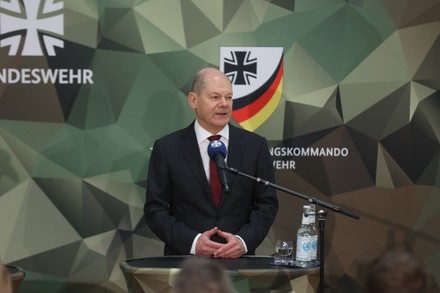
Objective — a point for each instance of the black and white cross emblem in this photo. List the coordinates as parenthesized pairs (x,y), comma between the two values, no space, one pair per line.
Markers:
(240,67)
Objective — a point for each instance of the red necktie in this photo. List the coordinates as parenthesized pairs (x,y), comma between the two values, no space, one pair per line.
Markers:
(216,186)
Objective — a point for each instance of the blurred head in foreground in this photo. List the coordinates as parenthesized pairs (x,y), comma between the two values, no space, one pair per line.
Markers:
(399,271)
(201,275)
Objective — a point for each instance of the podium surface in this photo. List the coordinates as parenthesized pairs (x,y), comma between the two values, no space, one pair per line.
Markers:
(247,273)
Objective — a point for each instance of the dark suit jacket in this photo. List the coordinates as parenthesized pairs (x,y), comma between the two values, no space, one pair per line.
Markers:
(179,203)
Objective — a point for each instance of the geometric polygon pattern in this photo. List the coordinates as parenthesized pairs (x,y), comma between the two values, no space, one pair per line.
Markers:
(360,75)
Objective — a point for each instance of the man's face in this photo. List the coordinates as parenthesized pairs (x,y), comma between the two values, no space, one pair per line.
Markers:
(213,105)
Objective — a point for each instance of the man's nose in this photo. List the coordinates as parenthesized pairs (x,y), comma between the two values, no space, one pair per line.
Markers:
(224,101)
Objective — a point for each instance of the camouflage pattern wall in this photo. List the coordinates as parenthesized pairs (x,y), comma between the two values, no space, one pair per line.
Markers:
(350,105)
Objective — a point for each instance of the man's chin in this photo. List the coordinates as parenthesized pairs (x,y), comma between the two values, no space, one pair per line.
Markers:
(221,121)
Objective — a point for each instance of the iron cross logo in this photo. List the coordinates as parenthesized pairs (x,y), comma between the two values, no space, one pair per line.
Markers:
(35,17)
(216,144)
(240,67)
(256,74)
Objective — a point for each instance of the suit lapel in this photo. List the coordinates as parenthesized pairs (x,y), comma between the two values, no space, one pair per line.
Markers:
(235,148)
(190,151)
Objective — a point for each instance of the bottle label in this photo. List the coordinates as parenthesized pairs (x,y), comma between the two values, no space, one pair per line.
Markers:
(303,248)
(312,219)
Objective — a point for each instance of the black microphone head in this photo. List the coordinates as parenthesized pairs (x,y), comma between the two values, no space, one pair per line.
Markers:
(216,147)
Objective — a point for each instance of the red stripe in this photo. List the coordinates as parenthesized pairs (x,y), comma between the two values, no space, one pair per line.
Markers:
(250,110)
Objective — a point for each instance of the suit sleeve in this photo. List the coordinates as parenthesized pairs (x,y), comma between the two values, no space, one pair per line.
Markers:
(157,209)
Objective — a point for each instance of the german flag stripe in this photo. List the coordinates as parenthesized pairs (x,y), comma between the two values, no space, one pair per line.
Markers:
(245,112)
(259,118)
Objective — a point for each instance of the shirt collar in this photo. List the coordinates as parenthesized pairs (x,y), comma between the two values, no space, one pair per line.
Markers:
(203,134)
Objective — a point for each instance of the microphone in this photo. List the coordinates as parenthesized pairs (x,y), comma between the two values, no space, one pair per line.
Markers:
(217,152)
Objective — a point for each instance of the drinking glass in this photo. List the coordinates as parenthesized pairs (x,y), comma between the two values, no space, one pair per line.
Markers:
(283,249)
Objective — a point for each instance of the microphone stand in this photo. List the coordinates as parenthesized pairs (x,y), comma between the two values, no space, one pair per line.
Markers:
(321,214)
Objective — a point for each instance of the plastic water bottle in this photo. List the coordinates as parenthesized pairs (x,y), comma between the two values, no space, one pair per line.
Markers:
(314,230)
(304,240)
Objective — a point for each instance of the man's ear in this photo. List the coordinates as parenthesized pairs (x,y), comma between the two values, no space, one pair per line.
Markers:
(192,100)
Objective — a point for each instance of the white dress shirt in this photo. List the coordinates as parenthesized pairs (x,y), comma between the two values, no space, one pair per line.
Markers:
(203,142)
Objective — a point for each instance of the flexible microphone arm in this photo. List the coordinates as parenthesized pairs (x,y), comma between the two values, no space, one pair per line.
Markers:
(321,216)
(310,199)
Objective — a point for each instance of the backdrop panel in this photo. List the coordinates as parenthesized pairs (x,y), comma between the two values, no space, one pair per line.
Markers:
(87,86)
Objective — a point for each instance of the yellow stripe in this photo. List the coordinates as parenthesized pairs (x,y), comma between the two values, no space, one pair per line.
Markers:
(255,121)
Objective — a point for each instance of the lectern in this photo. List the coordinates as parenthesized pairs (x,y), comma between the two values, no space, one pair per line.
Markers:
(248,274)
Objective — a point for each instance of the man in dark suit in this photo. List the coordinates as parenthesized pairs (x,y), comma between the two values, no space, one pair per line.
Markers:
(179,206)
